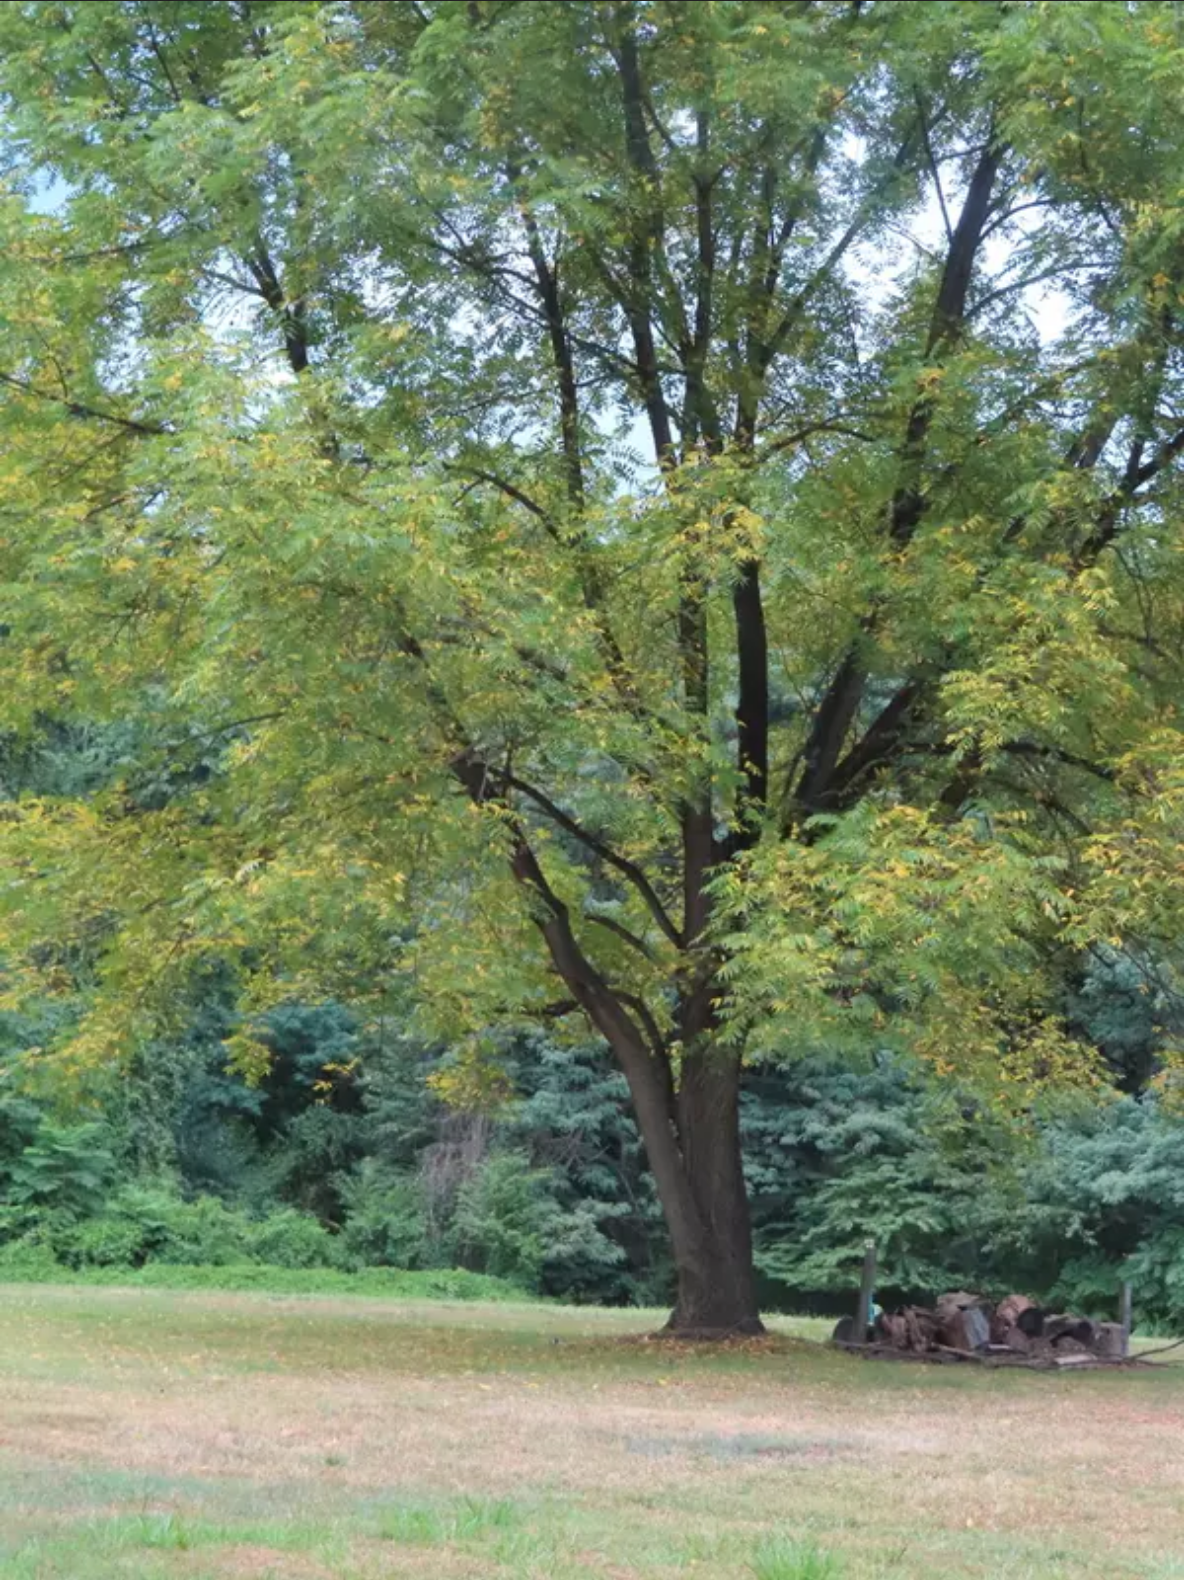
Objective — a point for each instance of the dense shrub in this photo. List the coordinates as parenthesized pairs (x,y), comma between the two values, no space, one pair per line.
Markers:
(21,1263)
(509,1222)
(59,1173)
(138,1224)
(385,1217)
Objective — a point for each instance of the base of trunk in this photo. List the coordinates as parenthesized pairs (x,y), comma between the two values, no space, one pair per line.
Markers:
(700,1333)
(717,1309)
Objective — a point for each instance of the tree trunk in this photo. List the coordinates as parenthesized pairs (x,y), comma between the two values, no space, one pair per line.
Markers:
(692,1141)
(716,1279)
(692,1136)
(716,1296)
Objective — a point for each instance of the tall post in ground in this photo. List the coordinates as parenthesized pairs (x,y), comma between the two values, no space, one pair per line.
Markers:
(867,1284)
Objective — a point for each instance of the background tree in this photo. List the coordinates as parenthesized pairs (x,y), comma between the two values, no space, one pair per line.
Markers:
(589,480)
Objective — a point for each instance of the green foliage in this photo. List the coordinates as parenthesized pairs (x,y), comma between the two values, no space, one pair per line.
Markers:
(20,1263)
(1103,1200)
(340,508)
(62,1171)
(138,1224)
(549,1193)
(551,1188)
(837,1155)
(20,1119)
(779,1558)
(552,1196)
(1065,1211)
(1124,1005)
(386,1221)
(485,504)
(508,1223)
(572,1119)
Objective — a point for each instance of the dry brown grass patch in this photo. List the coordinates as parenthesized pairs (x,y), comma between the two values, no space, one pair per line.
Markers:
(625,1451)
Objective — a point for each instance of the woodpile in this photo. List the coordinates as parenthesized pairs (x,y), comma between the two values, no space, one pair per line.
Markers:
(967,1326)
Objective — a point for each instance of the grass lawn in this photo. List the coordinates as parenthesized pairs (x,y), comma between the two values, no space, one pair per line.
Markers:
(163,1434)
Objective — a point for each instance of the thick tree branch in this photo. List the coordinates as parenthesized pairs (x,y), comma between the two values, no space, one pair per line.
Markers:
(877,746)
(78,408)
(1138,473)
(698,833)
(646,1016)
(638,1048)
(291,315)
(547,279)
(752,705)
(647,234)
(628,869)
(841,702)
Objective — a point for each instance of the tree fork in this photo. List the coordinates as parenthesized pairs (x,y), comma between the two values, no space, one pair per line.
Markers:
(691,1136)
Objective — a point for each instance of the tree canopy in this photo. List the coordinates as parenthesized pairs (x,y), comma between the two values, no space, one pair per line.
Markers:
(663,514)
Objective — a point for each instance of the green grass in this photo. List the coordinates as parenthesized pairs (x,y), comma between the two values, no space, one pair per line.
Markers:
(788,1560)
(457,1522)
(177,1435)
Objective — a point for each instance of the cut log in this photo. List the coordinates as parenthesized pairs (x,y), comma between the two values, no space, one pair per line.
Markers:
(963,1321)
(892,1328)
(1062,1327)
(1031,1322)
(921,1326)
(1007,1317)
(844,1333)
(965,1326)
(1109,1341)
(956,1297)
(909,1329)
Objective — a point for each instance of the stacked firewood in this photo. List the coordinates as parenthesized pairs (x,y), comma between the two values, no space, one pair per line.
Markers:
(967,1324)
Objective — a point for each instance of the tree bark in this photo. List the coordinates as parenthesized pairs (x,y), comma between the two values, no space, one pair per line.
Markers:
(692,1140)
(692,1133)
(716,1282)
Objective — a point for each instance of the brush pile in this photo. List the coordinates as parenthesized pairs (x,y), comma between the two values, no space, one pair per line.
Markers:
(967,1326)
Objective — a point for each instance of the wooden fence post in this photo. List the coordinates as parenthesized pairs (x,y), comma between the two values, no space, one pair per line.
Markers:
(867,1284)
(1126,1317)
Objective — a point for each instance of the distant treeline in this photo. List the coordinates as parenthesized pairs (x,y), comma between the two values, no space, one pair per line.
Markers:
(346,1156)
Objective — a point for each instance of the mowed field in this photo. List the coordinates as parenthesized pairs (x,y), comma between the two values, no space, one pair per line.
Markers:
(185,1435)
